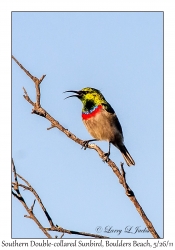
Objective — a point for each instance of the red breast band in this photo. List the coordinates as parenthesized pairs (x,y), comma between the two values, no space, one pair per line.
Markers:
(86,116)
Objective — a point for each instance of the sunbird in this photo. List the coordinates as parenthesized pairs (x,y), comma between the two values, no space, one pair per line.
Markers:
(101,121)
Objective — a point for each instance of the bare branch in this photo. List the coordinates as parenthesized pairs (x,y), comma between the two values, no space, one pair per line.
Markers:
(28,98)
(30,188)
(21,199)
(32,206)
(62,230)
(37,109)
(33,217)
(122,181)
(22,67)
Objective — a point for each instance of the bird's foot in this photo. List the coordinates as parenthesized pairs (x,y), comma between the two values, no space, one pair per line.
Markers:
(106,157)
(85,145)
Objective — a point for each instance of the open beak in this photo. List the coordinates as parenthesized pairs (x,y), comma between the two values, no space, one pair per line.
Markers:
(73,91)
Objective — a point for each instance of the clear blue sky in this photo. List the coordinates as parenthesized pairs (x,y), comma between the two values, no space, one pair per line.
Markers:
(121,54)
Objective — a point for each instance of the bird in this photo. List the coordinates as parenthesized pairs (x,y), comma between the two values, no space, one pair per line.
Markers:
(101,121)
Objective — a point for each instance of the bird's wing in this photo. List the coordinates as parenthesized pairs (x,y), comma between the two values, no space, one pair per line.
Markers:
(117,123)
(109,109)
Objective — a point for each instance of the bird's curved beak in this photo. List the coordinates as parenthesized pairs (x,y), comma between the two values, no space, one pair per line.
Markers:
(73,91)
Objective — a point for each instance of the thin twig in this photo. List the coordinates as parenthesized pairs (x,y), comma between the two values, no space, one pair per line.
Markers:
(32,216)
(21,199)
(122,181)
(62,230)
(22,67)
(32,206)
(30,188)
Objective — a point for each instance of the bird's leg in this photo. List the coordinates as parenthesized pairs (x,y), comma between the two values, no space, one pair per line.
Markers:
(85,143)
(106,155)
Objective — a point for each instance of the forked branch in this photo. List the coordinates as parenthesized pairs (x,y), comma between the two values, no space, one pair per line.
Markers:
(37,109)
(16,193)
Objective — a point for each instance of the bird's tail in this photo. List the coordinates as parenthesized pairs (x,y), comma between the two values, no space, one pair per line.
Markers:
(126,155)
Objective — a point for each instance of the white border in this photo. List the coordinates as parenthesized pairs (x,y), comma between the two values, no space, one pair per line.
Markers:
(169,90)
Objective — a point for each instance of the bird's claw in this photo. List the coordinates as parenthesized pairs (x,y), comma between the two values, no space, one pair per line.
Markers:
(85,145)
(106,157)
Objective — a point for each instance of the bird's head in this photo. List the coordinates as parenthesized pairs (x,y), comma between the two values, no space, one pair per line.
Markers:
(90,97)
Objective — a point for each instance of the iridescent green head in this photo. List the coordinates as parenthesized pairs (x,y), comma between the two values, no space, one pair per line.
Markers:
(90,98)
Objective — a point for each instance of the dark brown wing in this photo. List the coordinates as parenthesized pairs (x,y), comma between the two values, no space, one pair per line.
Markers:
(109,109)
